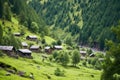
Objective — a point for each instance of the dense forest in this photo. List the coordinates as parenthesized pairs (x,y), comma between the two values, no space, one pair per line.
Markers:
(89,20)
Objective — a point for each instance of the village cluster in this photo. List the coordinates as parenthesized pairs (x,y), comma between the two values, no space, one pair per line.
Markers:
(27,50)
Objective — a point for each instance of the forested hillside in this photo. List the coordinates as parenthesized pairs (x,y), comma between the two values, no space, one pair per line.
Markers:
(24,13)
(59,39)
(89,20)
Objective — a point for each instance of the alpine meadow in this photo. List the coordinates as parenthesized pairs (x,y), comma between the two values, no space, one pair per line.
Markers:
(59,39)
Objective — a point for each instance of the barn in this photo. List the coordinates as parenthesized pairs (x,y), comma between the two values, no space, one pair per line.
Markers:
(25,53)
(9,50)
(35,48)
(31,37)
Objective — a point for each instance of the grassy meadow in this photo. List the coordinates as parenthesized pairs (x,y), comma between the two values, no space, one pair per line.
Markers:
(42,70)
(45,70)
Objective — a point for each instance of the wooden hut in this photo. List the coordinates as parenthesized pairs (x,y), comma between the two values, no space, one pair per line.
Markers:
(35,48)
(83,53)
(9,50)
(31,37)
(48,49)
(17,34)
(24,45)
(57,47)
(25,53)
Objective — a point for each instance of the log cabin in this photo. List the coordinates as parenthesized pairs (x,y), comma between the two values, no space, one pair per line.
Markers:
(9,50)
(35,48)
(25,53)
(31,37)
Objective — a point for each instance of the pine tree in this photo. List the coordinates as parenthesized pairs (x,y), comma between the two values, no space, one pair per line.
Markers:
(6,11)
(111,66)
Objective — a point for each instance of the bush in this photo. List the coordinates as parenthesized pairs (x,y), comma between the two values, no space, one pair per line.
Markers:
(55,54)
(84,63)
(43,41)
(75,57)
(58,72)
(59,42)
(51,58)
(116,77)
(1,54)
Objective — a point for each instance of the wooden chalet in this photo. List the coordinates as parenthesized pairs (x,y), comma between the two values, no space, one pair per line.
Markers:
(24,45)
(9,50)
(83,53)
(17,34)
(57,47)
(48,49)
(31,37)
(25,53)
(35,48)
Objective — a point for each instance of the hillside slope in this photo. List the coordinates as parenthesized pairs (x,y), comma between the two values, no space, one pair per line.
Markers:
(44,70)
(24,13)
(90,19)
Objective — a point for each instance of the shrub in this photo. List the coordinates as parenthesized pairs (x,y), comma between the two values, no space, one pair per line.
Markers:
(55,54)
(43,41)
(84,63)
(75,57)
(1,54)
(116,77)
(51,58)
(58,72)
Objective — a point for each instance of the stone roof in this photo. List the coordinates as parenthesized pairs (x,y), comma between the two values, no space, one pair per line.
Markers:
(32,36)
(25,51)
(17,33)
(47,47)
(58,47)
(6,48)
(24,44)
(35,47)
(83,52)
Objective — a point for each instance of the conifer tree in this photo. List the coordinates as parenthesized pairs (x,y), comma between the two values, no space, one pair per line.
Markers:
(111,66)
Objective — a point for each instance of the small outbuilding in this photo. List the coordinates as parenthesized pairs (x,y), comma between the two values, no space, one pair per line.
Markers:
(24,45)
(48,49)
(83,53)
(35,48)
(25,53)
(17,34)
(31,37)
(57,47)
(9,50)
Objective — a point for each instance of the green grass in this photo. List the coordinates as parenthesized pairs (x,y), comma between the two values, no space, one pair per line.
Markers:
(46,70)
(49,40)
(15,27)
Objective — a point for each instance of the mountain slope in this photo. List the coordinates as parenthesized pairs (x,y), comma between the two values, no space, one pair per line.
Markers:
(24,13)
(90,19)
(44,70)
